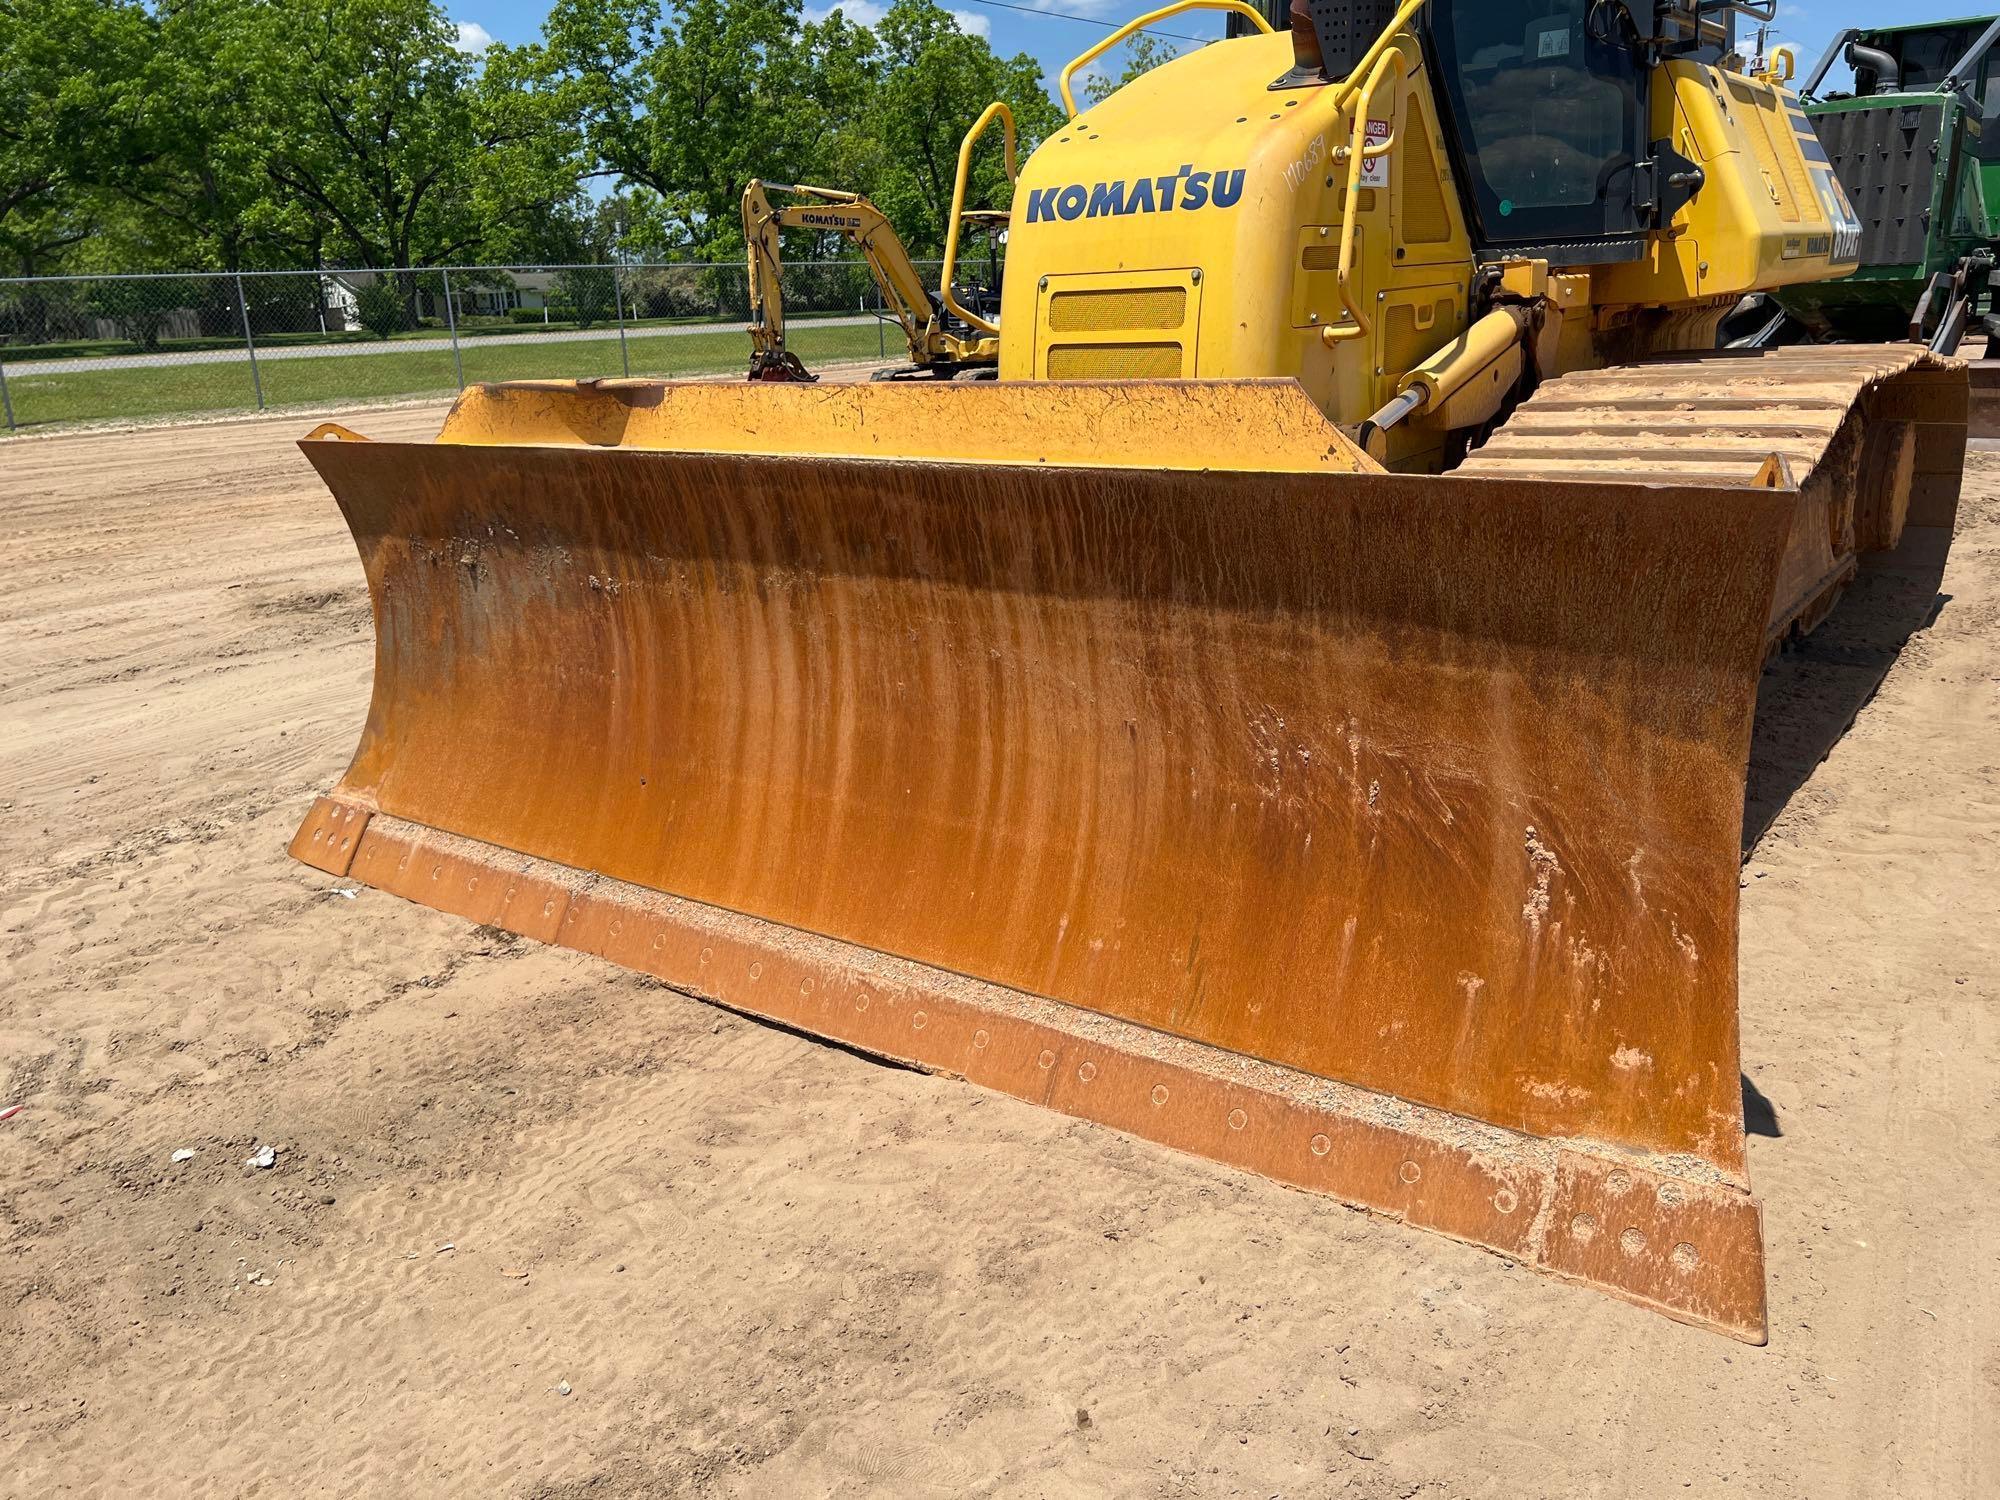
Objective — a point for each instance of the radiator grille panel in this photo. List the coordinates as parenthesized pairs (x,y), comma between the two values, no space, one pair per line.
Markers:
(1426,221)
(1115,362)
(1114,311)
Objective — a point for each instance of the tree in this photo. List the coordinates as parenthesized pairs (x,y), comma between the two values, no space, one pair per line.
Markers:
(69,72)
(264,134)
(692,110)
(195,155)
(162,118)
(412,153)
(1143,53)
(935,82)
(582,295)
(381,307)
(268,133)
(142,306)
(527,166)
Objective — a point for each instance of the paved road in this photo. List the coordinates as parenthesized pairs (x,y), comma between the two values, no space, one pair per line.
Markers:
(25,368)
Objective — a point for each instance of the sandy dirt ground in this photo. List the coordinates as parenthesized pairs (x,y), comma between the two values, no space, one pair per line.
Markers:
(540,1227)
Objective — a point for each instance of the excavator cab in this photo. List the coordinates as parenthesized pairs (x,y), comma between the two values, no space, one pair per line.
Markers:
(979,290)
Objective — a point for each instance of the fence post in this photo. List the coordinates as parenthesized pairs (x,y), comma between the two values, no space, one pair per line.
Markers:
(881,328)
(618,299)
(451,322)
(6,401)
(249,342)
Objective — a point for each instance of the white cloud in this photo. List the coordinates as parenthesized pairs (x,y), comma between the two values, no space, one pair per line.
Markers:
(1088,74)
(865,12)
(973,25)
(860,12)
(473,38)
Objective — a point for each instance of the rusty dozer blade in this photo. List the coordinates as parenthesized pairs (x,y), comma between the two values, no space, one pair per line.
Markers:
(1131,749)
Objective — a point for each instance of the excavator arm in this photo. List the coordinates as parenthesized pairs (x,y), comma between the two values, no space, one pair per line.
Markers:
(849,214)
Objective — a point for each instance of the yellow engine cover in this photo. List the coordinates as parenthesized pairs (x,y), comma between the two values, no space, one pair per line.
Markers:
(1161,235)
(1768,213)
(1190,226)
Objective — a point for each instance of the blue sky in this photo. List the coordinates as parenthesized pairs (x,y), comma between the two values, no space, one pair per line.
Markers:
(1050,39)
(1809,24)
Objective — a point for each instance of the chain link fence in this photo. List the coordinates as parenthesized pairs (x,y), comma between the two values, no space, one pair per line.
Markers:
(79,349)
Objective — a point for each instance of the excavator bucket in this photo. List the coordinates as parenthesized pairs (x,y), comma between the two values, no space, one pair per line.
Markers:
(1139,750)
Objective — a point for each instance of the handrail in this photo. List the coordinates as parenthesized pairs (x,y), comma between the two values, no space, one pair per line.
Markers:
(972,136)
(1359,86)
(1360,152)
(1153,18)
(1962,71)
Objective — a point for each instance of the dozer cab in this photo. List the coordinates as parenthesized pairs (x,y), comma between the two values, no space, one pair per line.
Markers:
(1297,713)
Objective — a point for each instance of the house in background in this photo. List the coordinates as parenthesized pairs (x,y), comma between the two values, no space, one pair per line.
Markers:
(474,294)
(530,290)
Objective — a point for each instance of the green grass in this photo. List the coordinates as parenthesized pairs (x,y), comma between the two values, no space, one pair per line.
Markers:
(470,328)
(175,390)
(27,354)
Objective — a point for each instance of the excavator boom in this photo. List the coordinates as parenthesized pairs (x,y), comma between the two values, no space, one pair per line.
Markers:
(945,339)
(826,210)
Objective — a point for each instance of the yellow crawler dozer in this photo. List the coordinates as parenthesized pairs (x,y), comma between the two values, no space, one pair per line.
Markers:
(1298,713)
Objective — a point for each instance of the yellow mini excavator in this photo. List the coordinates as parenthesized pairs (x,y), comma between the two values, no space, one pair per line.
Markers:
(946,340)
(1297,713)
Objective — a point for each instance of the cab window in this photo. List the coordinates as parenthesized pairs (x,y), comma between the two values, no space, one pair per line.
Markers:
(1548,114)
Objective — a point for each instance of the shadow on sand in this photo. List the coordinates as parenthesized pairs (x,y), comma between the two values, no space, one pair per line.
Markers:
(1812,692)
(1760,1115)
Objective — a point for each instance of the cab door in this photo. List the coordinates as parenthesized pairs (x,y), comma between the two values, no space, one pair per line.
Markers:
(1548,111)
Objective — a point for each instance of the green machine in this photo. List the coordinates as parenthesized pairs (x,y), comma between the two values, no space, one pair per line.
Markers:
(1908,147)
